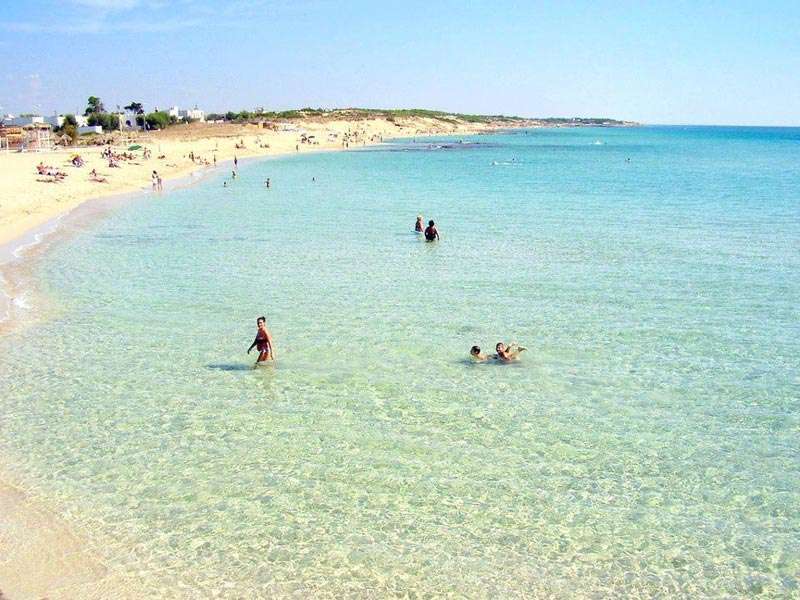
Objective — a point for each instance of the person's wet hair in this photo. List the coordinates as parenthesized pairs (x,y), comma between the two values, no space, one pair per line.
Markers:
(499,344)
(475,350)
(259,319)
(431,223)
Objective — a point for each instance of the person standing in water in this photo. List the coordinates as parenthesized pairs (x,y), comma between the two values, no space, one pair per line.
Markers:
(235,162)
(263,342)
(418,225)
(431,233)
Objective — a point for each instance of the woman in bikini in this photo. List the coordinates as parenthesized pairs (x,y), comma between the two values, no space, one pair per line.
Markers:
(263,342)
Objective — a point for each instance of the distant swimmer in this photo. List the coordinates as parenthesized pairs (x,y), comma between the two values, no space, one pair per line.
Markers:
(263,342)
(477,355)
(508,353)
(431,233)
(418,227)
(266,183)
(224,184)
(233,174)
(235,162)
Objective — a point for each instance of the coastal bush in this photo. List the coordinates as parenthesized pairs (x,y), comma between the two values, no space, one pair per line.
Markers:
(107,121)
(157,120)
(70,130)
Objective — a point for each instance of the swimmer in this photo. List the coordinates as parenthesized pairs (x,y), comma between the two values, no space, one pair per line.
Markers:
(233,174)
(224,184)
(418,226)
(263,342)
(508,353)
(431,233)
(477,355)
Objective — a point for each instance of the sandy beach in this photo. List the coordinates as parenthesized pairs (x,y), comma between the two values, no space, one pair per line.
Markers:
(42,553)
(28,199)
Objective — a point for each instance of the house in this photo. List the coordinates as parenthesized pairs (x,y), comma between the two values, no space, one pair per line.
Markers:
(33,137)
(12,121)
(195,114)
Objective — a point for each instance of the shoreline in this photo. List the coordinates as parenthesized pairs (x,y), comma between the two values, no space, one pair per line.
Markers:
(31,230)
(49,555)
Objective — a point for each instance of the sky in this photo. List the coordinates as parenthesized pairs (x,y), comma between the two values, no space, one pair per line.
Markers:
(662,62)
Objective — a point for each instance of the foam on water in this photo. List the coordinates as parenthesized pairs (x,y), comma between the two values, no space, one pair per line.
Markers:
(646,444)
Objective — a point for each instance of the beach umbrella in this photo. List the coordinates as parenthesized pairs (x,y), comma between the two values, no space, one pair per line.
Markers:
(135,147)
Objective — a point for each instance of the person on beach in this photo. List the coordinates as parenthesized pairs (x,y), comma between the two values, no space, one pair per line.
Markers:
(418,226)
(431,233)
(508,353)
(160,183)
(476,354)
(235,162)
(154,180)
(263,342)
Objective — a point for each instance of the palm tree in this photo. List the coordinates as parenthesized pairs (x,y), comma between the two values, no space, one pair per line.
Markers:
(137,108)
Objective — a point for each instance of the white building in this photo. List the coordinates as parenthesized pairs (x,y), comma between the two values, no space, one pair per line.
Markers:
(12,121)
(90,129)
(174,112)
(195,114)
(57,120)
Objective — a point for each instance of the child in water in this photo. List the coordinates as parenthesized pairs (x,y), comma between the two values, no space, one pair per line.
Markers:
(263,341)
(477,355)
(418,227)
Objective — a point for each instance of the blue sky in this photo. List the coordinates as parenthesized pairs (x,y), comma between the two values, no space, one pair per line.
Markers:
(728,62)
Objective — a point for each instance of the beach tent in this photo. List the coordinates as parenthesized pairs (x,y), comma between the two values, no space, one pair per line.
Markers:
(135,147)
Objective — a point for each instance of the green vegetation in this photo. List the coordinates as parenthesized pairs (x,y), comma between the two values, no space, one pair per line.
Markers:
(94,105)
(137,108)
(158,120)
(69,127)
(98,116)
(108,121)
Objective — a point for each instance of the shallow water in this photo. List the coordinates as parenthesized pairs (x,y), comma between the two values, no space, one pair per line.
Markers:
(647,443)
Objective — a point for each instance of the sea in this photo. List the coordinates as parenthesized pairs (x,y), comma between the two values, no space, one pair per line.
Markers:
(646,444)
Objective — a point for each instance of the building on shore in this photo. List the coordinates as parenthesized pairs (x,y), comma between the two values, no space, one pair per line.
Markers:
(191,114)
(33,137)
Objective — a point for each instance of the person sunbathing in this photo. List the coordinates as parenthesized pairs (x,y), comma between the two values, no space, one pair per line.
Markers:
(93,176)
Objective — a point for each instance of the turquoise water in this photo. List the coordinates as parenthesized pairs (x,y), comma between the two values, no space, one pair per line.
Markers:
(647,444)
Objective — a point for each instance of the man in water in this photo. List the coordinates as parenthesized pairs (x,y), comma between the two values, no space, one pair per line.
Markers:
(418,225)
(508,353)
(263,342)
(431,233)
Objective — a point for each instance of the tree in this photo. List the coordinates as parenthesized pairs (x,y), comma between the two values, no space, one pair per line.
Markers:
(137,108)
(70,120)
(107,121)
(157,120)
(70,130)
(230,116)
(94,105)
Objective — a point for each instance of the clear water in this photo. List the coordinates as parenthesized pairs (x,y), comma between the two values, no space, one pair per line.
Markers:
(647,444)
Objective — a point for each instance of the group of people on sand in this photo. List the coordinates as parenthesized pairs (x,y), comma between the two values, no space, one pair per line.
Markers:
(430,232)
(49,171)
